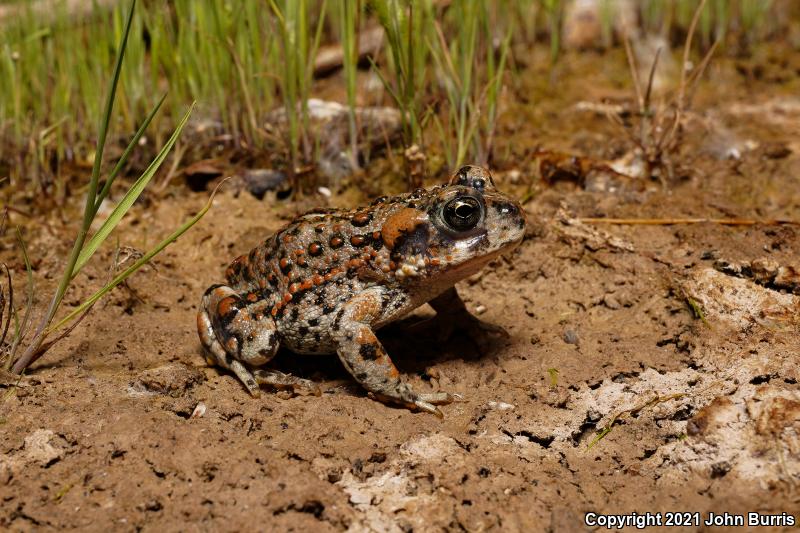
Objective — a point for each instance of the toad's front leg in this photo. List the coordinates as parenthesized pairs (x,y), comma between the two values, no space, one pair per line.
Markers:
(366,359)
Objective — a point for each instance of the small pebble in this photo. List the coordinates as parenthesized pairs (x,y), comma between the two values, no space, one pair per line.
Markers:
(571,337)
(259,181)
(479,310)
(199,410)
(360,497)
(324,191)
(611,302)
(501,406)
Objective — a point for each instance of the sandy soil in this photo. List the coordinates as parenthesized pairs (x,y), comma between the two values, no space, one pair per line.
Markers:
(124,427)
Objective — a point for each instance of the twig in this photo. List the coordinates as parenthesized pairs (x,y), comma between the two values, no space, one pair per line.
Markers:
(674,221)
(10,307)
(637,84)
(698,72)
(22,327)
(650,79)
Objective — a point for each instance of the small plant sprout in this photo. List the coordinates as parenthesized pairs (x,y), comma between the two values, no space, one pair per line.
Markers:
(553,373)
(657,136)
(49,330)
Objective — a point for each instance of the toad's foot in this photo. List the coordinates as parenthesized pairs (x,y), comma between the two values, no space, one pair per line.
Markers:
(425,401)
(281,381)
(428,401)
(366,359)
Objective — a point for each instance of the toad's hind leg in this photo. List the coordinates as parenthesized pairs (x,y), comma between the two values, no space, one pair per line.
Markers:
(236,333)
(365,358)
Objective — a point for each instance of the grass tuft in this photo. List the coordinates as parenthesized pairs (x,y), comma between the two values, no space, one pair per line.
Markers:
(82,251)
(239,60)
(471,71)
(406,25)
(298,47)
(53,74)
(349,24)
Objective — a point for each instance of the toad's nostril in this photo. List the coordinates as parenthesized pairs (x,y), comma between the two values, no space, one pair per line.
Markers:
(508,209)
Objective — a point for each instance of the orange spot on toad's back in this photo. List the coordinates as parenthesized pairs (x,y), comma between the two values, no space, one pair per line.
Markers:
(361,219)
(401,223)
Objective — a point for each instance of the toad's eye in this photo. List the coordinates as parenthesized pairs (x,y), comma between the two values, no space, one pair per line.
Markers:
(462,213)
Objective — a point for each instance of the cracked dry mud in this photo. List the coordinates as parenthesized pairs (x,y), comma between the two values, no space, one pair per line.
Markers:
(124,427)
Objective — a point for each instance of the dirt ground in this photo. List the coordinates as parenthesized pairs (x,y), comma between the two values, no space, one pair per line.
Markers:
(123,426)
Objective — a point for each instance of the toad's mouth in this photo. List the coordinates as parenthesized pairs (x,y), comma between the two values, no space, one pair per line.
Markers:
(473,265)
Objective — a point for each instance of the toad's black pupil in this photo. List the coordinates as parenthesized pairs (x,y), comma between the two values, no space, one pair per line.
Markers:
(464,210)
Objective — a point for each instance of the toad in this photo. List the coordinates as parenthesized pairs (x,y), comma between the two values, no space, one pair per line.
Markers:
(329,279)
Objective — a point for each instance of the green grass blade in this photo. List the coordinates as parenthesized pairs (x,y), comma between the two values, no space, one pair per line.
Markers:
(312,53)
(88,213)
(130,197)
(386,84)
(134,267)
(349,17)
(101,138)
(124,159)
